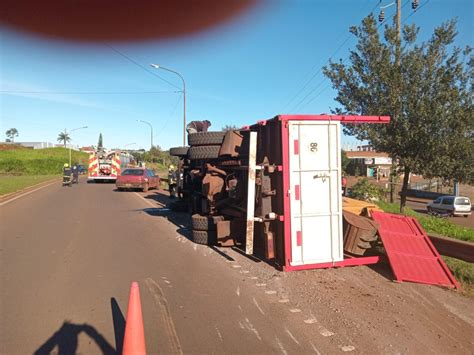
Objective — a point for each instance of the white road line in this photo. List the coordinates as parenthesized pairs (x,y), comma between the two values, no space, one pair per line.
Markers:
(236,266)
(270,292)
(258,306)
(26,193)
(261,285)
(237,291)
(314,348)
(244,271)
(324,332)
(280,345)
(292,336)
(295,310)
(219,334)
(147,201)
(347,348)
(250,327)
(284,300)
(311,321)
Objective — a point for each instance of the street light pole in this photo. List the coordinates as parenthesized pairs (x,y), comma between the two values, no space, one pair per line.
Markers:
(156,66)
(151,128)
(70,148)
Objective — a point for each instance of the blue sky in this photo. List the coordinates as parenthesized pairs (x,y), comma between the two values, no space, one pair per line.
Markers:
(249,69)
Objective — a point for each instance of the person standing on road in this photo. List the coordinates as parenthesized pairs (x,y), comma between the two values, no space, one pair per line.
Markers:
(75,175)
(172,181)
(66,174)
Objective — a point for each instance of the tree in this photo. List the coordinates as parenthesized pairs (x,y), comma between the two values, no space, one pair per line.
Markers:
(100,143)
(345,161)
(11,134)
(228,127)
(64,137)
(424,88)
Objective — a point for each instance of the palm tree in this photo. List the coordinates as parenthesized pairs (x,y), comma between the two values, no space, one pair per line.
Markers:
(64,137)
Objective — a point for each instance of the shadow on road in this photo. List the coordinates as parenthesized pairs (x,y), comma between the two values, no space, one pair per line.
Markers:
(119,324)
(66,340)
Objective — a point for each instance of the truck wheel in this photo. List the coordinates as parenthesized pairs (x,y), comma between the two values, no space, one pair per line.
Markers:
(204,152)
(205,223)
(205,237)
(206,138)
(179,151)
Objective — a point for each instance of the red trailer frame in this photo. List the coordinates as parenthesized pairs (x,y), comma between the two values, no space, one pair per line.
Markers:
(348,260)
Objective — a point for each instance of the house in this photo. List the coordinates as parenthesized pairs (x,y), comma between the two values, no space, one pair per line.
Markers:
(366,162)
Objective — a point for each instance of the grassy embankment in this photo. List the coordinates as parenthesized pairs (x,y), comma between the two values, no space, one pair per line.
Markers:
(20,167)
(462,270)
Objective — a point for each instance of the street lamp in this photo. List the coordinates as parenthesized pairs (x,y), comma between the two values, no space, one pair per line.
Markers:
(151,128)
(156,66)
(70,146)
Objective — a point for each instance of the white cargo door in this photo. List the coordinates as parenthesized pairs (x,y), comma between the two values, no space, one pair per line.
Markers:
(315,192)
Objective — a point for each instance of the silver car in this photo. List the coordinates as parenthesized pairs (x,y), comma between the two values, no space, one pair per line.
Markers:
(450,205)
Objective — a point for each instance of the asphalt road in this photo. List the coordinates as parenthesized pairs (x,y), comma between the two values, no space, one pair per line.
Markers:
(69,255)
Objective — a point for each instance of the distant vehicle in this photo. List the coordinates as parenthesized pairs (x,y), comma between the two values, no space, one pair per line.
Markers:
(106,166)
(137,178)
(450,205)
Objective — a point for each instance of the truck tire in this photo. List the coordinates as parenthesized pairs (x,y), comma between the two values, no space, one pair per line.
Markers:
(205,223)
(179,151)
(205,237)
(206,138)
(204,152)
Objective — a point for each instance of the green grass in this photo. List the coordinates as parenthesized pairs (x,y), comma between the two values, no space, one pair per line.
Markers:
(464,273)
(34,162)
(432,224)
(9,184)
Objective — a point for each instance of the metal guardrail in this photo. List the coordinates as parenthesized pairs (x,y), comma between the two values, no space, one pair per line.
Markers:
(454,248)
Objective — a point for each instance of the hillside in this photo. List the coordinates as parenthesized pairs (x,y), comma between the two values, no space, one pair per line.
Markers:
(47,161)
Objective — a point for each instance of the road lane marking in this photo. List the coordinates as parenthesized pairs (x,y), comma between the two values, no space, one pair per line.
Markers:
(347,348)
(280,345)
(251,328)
(237,291)
(310,321)
(270,292)
(219,334)
(149,203)
(314,348)
(258,306)
(164,310)
(284,300)
(261,285)
(26,193)
(295,310)
(292,336)
(324,332)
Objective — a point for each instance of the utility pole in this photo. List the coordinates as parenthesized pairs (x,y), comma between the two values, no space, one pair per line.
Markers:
(399,32)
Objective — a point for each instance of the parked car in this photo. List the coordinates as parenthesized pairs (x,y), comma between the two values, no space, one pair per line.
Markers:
(451,205)
(137,178)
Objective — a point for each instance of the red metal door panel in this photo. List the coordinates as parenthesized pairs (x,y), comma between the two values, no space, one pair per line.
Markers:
(411,254)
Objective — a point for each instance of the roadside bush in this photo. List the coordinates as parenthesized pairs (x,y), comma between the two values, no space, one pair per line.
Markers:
(366,191)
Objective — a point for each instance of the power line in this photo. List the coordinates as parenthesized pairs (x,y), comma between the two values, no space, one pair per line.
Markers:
(171,115)
(378,27)
(320,69)
(141,66)
(86,92)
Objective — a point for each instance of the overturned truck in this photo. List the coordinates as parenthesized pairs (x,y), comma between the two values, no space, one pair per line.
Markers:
(273,189)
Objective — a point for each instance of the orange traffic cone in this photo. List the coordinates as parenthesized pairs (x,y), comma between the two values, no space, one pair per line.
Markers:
(134,339)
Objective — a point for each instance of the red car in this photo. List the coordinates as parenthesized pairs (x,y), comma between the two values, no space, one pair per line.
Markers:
(137,178)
